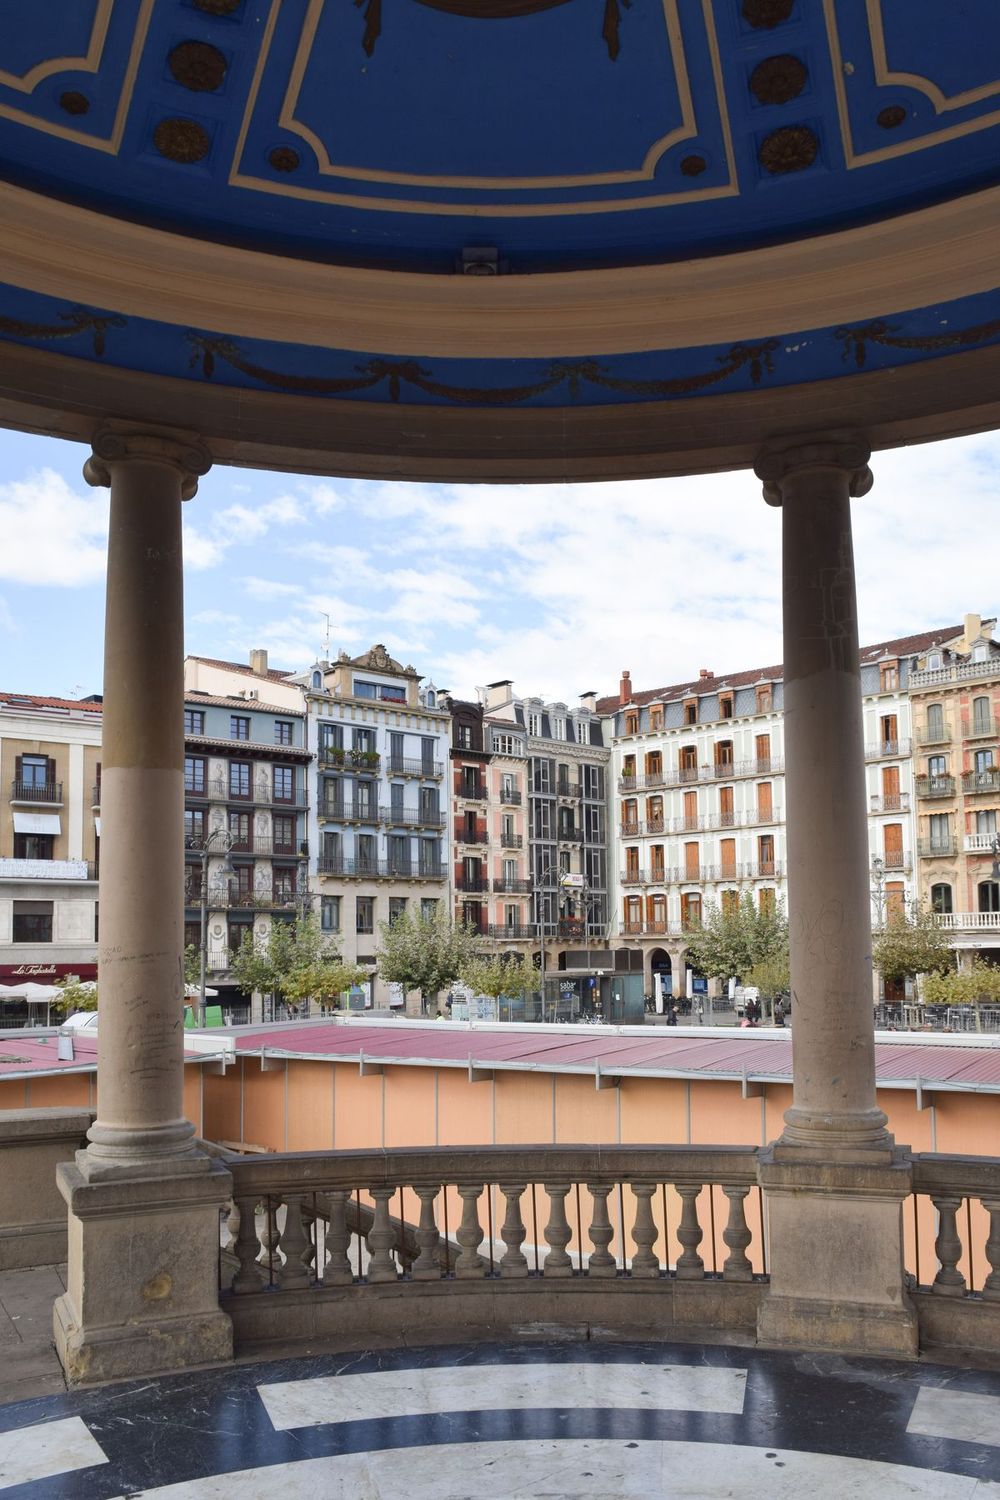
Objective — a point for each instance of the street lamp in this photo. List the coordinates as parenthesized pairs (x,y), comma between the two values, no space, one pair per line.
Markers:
(878,896)
(219,838)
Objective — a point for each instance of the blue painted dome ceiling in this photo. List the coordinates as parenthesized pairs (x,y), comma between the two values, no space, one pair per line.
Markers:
(560,133)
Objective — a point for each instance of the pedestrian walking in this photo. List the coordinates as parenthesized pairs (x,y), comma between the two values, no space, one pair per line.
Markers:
(672,1015)
(700,1012)
(779,1012)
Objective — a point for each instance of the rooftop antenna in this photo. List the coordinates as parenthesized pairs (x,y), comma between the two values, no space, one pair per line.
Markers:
(326,639)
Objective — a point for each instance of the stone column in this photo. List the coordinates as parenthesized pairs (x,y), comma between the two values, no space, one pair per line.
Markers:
(144,1200)
(834,1186)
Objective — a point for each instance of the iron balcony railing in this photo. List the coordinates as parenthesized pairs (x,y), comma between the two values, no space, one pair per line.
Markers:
(37,791)
(892,802)
(258,794)
(887,749)
(569,835)
(937,848)
(936,786)
(771,765)
(401,765)
(411,817)
(509,797)
(95,796)
(465,835)
(367,762)
(220,897)
(513,887)
(511,930)
(380,869)
(896,860)
(569,789)
(258,845)
(466,792)
(348,812)
(974,782)
(511,841)
(980,729)
(477,884)
(941,736)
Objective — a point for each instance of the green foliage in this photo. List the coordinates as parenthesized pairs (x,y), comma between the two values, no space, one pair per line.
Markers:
(731,942)
(770,976)
(963,986)
(912,944)
(325,980)
(77,994)
(294,961)
(499,974)
(192,964)
(425,953)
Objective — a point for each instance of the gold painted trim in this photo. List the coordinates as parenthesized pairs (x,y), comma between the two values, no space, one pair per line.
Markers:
(112,143)
(26,83)
(854,158)
(646,173)
(875,270)
(885,75)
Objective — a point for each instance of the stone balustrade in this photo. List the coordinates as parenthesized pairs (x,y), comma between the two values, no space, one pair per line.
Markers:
(453,1242)
(32,1213)
(952,1237)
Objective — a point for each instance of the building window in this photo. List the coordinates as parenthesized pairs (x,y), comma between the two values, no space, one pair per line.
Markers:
(989,896)
(941,899)
(935,722)
(982,716)
(726,706)
(241,834)
(428,908)
(765,853)
(656,716)
(329,913)
(284,783)
(282,731)
(283,833)
(980,653)
(33,845)
(32,922)
(534,724)
(365,921)
(380,690)
(764,698)
(194,774)
(558,729)
(691,712)
(504,744)
(194,721)
(194,828)
(582,732)
(691,911)
(986,822)
(239,727)
(397,909)
(463,736)
(940,832)
(331,737)
(934,662)
(239,778)
(766,901)
(632,723)
(888,676)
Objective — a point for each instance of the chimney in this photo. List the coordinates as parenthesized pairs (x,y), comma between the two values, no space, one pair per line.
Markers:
(625,688)
(973,629)
(589,700)
(258,663)
(703,673)
(496,694)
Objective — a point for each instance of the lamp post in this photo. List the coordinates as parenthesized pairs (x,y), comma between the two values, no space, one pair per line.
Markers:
(878,895)
(219,838)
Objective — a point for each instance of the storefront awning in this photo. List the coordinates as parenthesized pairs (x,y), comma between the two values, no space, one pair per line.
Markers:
(31,822)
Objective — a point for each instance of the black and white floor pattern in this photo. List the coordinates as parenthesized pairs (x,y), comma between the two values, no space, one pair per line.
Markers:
(560,1421)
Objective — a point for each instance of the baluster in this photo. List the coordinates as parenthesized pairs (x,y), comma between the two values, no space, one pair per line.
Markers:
(513,1261)
(991,1286)
(690,1266)
(601,1262)
(737,1236)
(294,1244)
(337,1271)
(644,1231)
(248,1277)
(381,1238)
(949,1281)
(270,1239)
(233,1225)
(427,1267)
(557,1232)
(469,1233)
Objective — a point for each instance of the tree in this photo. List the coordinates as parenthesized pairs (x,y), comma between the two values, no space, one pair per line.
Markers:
(192,965)
(912,944)
(963,986)
(425,953)
(77,994)
(769,976)
(324,979)
(295,961)
(731,940)
(499,974)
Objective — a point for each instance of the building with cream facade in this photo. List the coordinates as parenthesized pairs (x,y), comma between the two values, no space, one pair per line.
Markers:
(698,770)
(50,836)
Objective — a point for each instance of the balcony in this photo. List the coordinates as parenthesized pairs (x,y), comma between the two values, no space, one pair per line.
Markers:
(571,789)
(467,792)
(974,783)
(261,847)
(95,796)
(380,869)
(477,884)
(634,877)
(968,671)
(772,765)
(258,795)
(465,835)
(968,921)
(509,797)
(980,729)
(894,802)
(348,812)
(940,736)
(939,848)
(47,869)
(897,861)
(653,928)
(363,762)
(979,843)
(766,869)
(574,929)
(513,887)
(411,817)
(887,750)
(218,960)
(568,835)
(936,786)
(425,770)
(48,793)
(508,931)
(511,841)
(223,897)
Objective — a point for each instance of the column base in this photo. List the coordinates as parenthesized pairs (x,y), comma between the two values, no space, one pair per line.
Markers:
(835,1234)
(142,1292)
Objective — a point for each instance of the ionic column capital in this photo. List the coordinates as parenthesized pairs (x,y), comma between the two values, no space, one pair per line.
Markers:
(775,465)
(178,451)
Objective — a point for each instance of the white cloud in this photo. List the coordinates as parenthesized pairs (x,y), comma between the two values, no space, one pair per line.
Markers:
(269,588)
(51,534)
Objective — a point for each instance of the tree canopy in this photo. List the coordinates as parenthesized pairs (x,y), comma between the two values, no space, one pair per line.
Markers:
(731,940)
(911,944)
(499,974)
(295,961)
(425,953)
(963,986)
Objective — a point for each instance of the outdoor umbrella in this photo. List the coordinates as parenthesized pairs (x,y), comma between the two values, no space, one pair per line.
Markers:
(35,994)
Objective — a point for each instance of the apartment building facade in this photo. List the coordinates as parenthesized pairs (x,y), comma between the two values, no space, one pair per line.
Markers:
(955,695)
(698,769)
(50,832)
(567,816)
(246,804)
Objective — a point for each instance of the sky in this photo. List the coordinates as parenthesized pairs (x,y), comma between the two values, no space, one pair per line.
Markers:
(558,587)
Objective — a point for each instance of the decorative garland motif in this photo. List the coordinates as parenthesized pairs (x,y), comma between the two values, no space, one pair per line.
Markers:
(493,10)
(206,350)
(886,334)
(77,320)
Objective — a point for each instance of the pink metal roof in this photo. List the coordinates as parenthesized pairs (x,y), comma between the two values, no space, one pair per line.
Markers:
(729,1055)
(28,1054)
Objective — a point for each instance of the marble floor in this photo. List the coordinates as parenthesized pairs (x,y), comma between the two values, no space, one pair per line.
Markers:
(553,1421)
